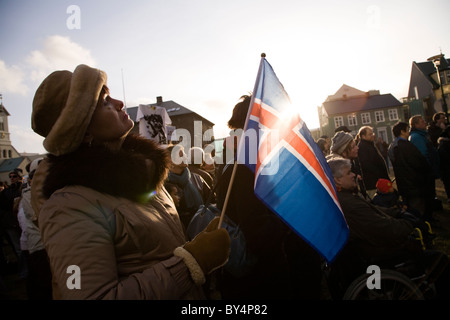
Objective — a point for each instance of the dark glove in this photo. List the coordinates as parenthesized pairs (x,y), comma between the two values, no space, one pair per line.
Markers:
(210,250)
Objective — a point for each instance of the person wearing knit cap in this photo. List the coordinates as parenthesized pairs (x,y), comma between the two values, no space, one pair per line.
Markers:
(343,145)
(386,196)
(384,186)
(340,143)
(110,228)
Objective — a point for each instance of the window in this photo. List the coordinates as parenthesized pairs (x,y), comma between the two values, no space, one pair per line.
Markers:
(365,118)
(382,132)
(338,121)
(379,116)
(352,120)
(393,114)
(2,125)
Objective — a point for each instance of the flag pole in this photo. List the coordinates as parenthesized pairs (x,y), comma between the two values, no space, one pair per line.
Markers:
(233,174)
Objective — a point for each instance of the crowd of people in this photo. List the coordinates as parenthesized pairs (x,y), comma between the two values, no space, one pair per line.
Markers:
(104,214)
(381,217)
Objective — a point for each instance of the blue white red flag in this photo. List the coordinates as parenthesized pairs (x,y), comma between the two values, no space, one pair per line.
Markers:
(292,176)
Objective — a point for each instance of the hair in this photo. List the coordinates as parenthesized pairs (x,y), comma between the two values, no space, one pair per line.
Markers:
(414,120)
(348,148)
(17,171)
(398,127)
(321,143)
(237,120)
(437,116)
(337,166)
(363,131)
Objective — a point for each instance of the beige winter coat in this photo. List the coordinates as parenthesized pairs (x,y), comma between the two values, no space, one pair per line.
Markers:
(108,247)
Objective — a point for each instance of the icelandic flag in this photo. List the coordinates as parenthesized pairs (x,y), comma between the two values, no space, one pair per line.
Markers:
(292,176)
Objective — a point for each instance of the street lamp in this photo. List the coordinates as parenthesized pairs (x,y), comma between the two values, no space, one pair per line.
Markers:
(437,62)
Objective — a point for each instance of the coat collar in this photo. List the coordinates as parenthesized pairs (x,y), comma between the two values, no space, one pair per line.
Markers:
(140,167)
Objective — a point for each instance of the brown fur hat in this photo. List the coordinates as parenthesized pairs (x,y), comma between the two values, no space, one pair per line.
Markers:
(63,106)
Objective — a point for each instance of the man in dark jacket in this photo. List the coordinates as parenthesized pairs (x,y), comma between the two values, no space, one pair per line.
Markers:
(373,166)
(436,127)
(412,171)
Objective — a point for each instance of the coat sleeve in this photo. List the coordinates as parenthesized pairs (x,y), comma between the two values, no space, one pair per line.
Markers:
(79,240)
(368,225)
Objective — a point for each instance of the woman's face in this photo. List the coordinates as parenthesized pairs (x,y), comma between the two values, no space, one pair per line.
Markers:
(109,121)
(353,151)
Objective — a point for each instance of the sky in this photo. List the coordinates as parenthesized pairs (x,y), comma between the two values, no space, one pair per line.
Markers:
(205,54)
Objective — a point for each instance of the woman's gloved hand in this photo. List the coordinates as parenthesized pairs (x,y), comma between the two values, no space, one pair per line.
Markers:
(208,251)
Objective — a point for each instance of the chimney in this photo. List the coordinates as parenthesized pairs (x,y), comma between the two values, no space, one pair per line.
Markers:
(159,100)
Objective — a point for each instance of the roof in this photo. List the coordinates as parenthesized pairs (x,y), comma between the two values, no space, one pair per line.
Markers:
(172,108)
(8,165)
(361,103)
(347,91)
(3,109)
(428,68)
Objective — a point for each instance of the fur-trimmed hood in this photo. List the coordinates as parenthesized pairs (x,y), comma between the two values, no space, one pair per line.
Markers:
(138,169)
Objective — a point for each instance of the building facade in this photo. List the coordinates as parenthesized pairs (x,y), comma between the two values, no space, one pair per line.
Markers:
(426,87)
(197,128)
(7,151)
(10,158)
(354,108)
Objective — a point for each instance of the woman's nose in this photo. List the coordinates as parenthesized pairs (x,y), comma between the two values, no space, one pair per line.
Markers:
(118,104)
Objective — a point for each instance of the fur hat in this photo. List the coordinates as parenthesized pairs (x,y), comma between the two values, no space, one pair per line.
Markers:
(340,141)
(383,185)
(63,106)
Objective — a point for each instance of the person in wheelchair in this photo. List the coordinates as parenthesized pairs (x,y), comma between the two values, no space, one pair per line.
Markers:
(382,236)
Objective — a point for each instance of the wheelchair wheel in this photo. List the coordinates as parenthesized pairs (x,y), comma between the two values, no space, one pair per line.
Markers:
(393,286)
